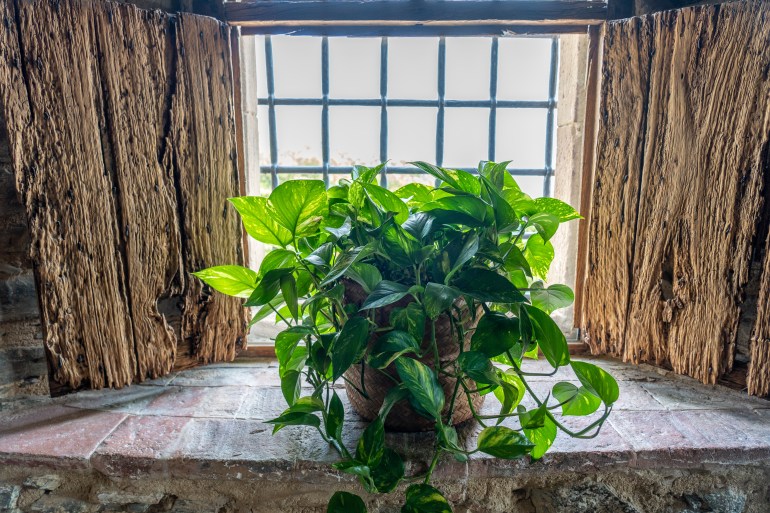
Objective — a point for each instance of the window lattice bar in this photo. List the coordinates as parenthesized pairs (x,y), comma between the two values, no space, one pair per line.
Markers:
(441,103)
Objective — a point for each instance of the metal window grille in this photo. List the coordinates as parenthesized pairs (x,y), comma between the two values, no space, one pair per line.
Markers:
(493,104)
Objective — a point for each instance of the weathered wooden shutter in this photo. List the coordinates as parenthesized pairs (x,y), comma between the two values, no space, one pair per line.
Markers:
(122,134)
(678,216)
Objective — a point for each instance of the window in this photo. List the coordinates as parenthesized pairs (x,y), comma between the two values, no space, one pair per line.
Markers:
(327,103)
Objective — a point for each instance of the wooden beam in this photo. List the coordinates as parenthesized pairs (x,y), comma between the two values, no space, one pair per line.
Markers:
(414,30)
(593,78)
(351,13)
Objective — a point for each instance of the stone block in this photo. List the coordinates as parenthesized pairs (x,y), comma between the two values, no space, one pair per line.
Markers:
(48,482)
(9,496)
(55,504)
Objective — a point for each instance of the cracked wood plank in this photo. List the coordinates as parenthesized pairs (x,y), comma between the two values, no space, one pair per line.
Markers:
(620,144)
(137,70)
(56,139)
(705,134)
(205,160)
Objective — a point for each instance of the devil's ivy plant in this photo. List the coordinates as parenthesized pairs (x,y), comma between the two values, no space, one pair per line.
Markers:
(475,237)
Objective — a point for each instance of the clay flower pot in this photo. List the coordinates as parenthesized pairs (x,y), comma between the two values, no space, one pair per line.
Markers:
(376,384)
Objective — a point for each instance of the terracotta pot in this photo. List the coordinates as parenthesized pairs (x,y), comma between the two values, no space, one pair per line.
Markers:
(402,417)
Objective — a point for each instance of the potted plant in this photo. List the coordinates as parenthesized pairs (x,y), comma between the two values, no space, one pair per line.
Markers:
(421,301)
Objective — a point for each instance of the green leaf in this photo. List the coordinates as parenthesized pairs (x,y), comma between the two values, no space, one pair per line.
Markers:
(448,440)
(468,209)
(422,384)
(290,386)
(387,202)
(495,334)
(542,437)
(438,298)
(468,251)
(309,404)
(516,261)
(390,346)
(597,381)
(509,393)
(414,192)
(486,285)
(388,472)
(344,502)
(423,498)
(299,205)
(285,343)
(357,468)
(411,319)
(371,445)
(345,260)
(400,247)
(558,208)
(549,337)
(289,291)
(366,275)
(277,258)
(394,396)
(419,225)
(551,299)
(534,418)
(341,232)
(335,417)
(478,367)
(545,224)
(575,401)
(503,442)
(349,345)
(505,216)
(385,293)
(539,253)
(322,255)
(291,418)
(258,221)
(232,280)
(268,287)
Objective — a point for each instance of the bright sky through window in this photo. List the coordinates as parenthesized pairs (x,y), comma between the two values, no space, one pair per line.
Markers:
(354,137)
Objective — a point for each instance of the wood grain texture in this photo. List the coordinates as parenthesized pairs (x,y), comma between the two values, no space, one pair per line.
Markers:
(205,160)
(620,145)
(758,378)
(122,138)
(704,134)
(430,12)
(136,70)
(68,195)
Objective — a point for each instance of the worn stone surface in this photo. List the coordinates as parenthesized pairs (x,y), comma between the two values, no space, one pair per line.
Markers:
(198,442)
(681,151)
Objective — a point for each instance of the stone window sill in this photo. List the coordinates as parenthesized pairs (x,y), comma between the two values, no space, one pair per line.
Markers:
(207,423)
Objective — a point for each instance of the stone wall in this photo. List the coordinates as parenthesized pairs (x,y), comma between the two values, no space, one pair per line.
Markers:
(22,360)
(724,489)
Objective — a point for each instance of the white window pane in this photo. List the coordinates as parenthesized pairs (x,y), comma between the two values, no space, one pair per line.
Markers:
(299,135)
(259,43)
(524,68)
(468,62)
(413,68)
(354,67)
(521,137)
(411,134)
(264,135)
(297,66)
(354,135)
(532,185)
(466,136)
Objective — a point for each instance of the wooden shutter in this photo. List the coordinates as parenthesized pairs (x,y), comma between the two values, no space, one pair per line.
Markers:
(122,134)
(678,209)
